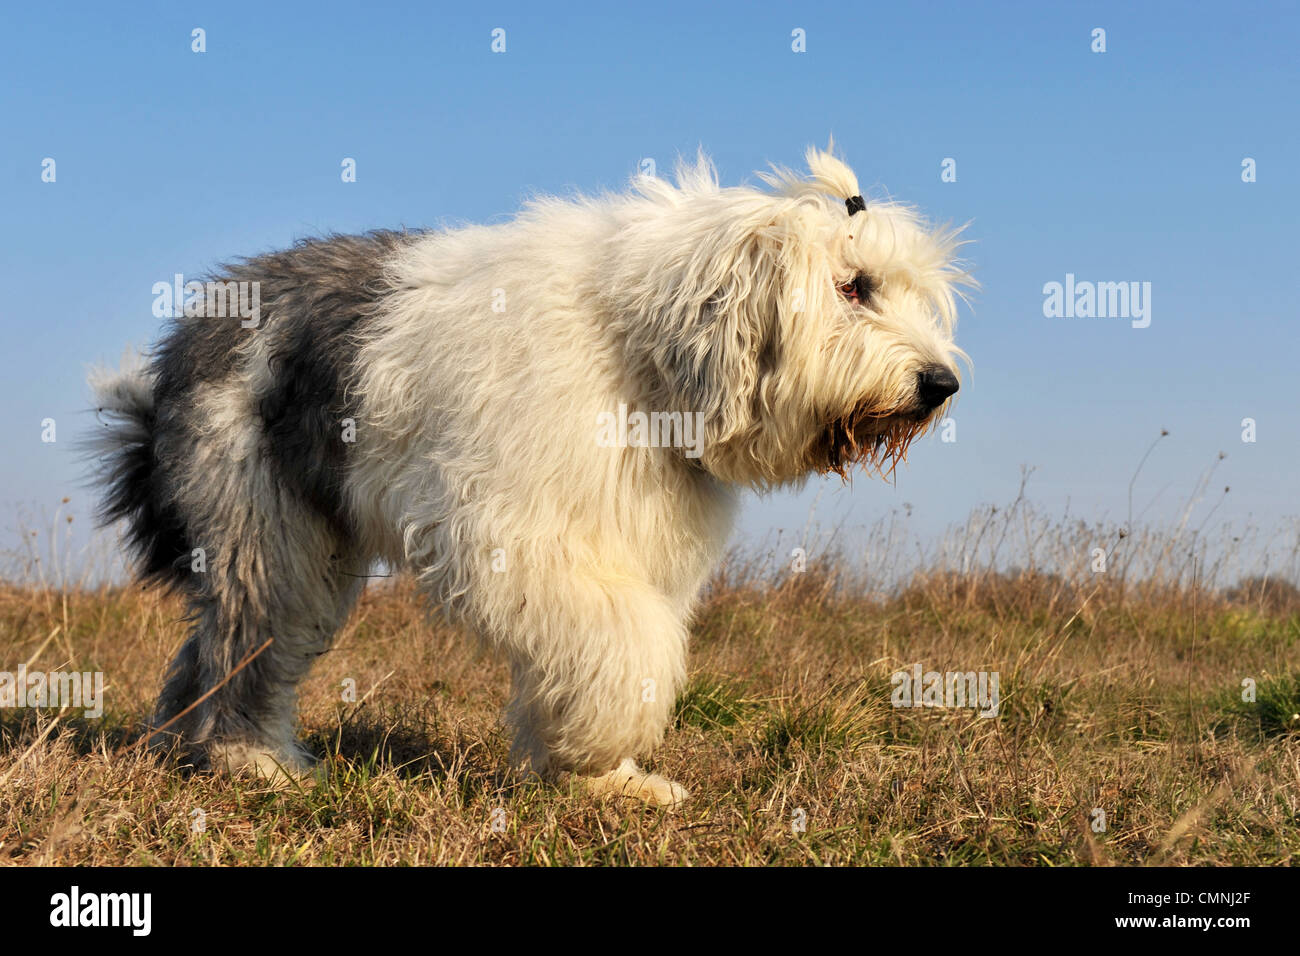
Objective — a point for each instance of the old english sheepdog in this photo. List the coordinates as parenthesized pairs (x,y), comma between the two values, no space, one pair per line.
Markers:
(548,421)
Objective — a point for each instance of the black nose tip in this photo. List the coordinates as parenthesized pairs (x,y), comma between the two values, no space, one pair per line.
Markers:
(934,384)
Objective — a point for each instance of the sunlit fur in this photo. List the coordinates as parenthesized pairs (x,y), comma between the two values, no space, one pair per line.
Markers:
(476,377)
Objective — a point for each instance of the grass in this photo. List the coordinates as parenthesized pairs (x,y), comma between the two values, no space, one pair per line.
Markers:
(1155,689)
(1114,702)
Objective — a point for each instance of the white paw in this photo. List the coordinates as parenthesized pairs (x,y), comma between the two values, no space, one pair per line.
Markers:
(629,780)
(278,766)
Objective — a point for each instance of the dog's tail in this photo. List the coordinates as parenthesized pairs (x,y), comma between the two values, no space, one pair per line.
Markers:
(125,464)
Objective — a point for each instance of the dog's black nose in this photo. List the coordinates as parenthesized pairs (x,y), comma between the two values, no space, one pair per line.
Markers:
(934,384)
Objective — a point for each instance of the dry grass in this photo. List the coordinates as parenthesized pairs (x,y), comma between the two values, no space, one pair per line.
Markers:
(1110,700)
(1121,692)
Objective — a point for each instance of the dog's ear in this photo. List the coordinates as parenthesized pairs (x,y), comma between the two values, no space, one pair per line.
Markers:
(712,351)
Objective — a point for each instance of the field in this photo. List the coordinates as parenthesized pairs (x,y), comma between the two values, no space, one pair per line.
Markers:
(1122,735)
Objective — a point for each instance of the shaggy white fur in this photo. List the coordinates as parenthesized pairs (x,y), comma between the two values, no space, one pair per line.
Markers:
(501,346)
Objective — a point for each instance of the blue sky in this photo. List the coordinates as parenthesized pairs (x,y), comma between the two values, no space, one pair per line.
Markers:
(1115,166)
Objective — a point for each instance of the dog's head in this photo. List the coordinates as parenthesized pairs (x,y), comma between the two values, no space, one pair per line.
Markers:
(813,332)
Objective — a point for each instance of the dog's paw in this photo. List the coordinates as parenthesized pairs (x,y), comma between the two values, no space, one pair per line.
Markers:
(278,766)
(629,780)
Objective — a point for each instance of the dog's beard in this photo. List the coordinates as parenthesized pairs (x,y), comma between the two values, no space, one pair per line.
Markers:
(877,440)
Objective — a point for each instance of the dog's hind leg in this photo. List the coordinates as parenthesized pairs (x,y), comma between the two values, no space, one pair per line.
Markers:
(297,604)
(272,572)
(178,698)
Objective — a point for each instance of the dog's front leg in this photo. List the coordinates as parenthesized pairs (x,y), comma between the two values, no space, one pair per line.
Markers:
(597,660)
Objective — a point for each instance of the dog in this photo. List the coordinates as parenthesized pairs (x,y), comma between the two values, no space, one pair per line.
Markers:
(441,401)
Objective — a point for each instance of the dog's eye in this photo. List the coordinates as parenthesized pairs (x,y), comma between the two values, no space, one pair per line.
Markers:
(858,289)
